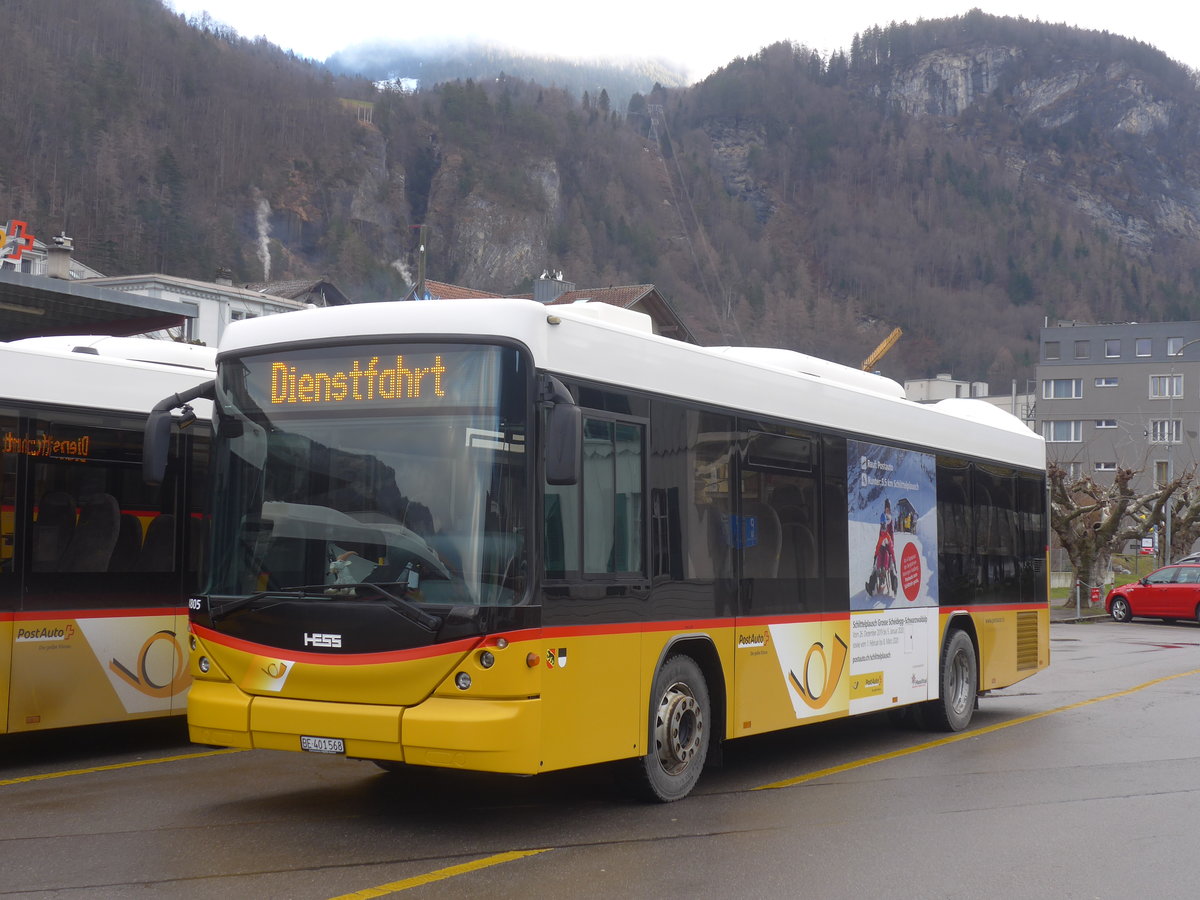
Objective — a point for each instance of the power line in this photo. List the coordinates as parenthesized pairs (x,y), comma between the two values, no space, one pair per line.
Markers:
(657,115)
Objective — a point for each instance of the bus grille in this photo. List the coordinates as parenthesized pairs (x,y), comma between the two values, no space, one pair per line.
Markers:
(1027,640)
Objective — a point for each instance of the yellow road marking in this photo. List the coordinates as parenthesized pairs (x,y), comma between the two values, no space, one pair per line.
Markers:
(109,768)
(440,874)
(962,736)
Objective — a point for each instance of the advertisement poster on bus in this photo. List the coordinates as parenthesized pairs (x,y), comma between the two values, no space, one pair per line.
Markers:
(892,518)
(76,669)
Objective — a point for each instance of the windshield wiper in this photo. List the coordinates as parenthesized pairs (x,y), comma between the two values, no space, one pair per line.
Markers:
(301,592)
(396,601)
(405,608)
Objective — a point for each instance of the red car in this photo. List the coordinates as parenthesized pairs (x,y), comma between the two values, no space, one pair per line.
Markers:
(1172,592)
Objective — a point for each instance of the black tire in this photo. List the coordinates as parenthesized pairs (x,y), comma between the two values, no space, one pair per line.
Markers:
(1119,609)
(959,682)
(679,730)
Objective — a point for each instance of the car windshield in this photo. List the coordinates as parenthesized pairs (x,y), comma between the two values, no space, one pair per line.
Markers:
(399,465)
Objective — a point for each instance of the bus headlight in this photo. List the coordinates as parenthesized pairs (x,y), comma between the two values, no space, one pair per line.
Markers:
(487,659)
(462,680)
(203,664)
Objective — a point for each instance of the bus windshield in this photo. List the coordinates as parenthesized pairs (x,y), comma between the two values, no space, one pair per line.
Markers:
(397,468)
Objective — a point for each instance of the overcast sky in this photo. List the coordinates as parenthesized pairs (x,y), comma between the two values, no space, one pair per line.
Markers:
(700,35)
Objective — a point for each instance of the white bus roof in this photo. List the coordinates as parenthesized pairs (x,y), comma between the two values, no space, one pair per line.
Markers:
(168,353)
(567,339)
(50,371)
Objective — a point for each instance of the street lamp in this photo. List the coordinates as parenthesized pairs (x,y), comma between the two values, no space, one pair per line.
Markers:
(1170,432)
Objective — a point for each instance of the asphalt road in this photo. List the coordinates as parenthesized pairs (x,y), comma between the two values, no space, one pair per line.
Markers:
(1079,782)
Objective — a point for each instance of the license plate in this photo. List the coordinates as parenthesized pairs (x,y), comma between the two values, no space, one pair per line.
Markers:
(322,744)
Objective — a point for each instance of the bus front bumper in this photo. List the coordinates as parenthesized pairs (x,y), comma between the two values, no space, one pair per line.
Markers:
(459,733)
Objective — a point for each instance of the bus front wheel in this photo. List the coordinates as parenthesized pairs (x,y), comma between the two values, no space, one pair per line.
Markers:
(679,724)
(959,673)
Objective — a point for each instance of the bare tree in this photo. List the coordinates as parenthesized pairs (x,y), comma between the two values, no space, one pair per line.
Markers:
(1184,509)
(1094,521)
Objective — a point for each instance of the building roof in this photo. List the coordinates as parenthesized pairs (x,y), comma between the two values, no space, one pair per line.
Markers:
(441,290)
(37,305)
(623,296)
(301,290)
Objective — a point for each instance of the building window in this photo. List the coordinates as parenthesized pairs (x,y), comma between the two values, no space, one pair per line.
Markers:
(1106,467)
(1074,470)
(1062,388)
(1141,347)
(1107,381)
(1165,431)
(1062,432)
(1083,349)
(1174,345)
(1112,348)
(1052,350)
(1106,423)
(1161,475)
(1165,386)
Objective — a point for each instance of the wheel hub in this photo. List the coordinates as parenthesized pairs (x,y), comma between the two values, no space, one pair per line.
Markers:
(678,730)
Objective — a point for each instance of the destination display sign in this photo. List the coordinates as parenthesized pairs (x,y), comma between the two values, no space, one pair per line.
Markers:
(379,376)
(48,445)
(363,379)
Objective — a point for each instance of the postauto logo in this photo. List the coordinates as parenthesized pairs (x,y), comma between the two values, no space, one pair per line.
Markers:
(45,633)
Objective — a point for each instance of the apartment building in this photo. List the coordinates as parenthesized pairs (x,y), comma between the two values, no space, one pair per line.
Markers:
(1122,394)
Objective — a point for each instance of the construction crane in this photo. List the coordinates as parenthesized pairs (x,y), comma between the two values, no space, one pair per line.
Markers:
(881,351)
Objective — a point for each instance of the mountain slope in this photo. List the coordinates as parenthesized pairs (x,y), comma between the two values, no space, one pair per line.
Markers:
(964,179)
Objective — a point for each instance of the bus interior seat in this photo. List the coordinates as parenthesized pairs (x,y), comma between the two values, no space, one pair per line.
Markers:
(52,530)
(129,544)
(798,552)
(761,560)
(95,535)
(158,549)
(717,564)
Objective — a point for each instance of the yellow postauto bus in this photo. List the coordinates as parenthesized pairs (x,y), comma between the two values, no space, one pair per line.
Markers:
(501,536)
(95,566)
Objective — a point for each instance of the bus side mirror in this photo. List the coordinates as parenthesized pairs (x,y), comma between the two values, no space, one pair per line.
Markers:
(156,440)
(563,427)
(155,443)
(564,430)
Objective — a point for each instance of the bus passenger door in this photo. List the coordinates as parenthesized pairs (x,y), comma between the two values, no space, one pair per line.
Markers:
(595,565)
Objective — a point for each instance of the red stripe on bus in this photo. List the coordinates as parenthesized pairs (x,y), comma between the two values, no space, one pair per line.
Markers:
(98,613)
(553,633)
(758,621)
(996,607)
(346,659)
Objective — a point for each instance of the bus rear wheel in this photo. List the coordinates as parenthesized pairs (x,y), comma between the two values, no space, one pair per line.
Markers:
(679,722)
(959,674)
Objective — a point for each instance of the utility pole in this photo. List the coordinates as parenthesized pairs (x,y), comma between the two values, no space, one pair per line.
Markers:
(419,292)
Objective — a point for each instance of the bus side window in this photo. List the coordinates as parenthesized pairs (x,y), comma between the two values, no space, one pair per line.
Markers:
(53,527)
(95,535)
(596,527)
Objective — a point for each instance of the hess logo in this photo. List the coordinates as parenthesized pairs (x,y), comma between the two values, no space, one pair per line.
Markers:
(316,639)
